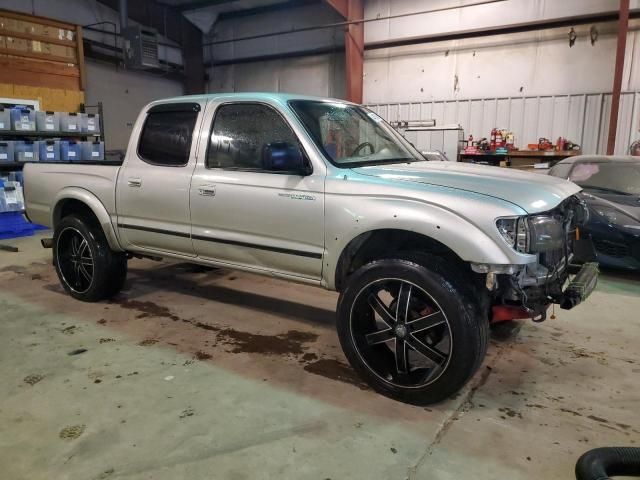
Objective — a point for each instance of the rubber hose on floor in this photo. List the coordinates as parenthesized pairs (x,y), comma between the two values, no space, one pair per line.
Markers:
(603,463)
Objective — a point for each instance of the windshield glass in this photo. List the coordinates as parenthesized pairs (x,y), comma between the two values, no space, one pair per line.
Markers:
(623,178)
(351,135)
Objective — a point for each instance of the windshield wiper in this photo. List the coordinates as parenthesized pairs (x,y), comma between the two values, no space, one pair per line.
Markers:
(605,189)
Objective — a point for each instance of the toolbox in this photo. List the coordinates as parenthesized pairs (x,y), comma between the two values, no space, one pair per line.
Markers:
(26,151)
(70,151)
(23,119)
(5,118)
(93,150)
(70,122)
(6,151)
(91,123)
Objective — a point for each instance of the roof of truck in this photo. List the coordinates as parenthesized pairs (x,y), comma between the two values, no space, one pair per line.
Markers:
(265,96)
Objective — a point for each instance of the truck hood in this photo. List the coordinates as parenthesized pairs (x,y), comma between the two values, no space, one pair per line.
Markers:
(533,192)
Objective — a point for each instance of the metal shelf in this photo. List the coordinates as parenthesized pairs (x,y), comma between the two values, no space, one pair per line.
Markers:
(23,134)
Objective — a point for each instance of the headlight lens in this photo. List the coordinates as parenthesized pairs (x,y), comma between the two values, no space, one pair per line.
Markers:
(514,231)
(531,234)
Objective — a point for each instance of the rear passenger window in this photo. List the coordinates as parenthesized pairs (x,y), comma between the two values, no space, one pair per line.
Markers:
(242,131)
(167,133)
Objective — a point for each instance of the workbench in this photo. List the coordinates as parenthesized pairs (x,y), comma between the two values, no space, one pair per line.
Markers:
(521,159)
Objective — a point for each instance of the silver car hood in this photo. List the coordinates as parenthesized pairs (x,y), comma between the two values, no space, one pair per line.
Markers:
(532,192)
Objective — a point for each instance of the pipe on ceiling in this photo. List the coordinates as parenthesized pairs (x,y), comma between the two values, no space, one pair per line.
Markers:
(123,10)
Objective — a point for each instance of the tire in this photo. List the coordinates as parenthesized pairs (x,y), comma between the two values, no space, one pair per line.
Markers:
(505,331)
(87,268)
(390,355)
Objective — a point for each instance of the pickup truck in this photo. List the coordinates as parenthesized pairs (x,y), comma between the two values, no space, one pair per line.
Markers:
(425,255)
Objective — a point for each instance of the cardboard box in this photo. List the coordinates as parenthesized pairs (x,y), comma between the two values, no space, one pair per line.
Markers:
(8,24)
(3,41)
(60,51)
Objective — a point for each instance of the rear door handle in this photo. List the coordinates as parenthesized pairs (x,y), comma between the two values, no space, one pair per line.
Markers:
(134,182)
(207,190)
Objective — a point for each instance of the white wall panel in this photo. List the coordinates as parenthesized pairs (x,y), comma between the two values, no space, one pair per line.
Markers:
(581,118)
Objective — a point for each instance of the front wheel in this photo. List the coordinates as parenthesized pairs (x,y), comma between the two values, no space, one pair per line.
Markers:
(409,330)
(87,268)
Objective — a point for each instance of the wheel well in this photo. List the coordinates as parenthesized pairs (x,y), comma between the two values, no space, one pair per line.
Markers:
(386,243)
(72,206)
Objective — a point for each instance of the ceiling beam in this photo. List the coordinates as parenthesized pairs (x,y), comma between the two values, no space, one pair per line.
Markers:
(201,4)
(274,7)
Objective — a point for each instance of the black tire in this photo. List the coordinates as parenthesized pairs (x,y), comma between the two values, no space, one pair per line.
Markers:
(87,267)
(439,299)
(505,331)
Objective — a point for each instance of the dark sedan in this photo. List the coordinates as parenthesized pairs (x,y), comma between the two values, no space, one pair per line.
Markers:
(611,189)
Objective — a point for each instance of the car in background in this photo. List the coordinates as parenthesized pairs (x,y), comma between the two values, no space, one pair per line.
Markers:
(611,190)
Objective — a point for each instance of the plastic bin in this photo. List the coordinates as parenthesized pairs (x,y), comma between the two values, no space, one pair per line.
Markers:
(23,119)
(11,197)
(91,123)
(26,151)
(6,152)
(48,121)
(5,118)
(70,122)
(93,150)
(70,151)
(49,150)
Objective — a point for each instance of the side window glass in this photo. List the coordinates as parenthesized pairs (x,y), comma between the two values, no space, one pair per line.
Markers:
(166,135)
(561,170)
(250,136)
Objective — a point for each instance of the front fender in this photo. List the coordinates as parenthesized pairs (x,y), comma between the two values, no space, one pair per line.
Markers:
(350,218)
(96,206)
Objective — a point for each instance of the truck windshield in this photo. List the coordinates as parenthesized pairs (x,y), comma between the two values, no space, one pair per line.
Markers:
(352,136)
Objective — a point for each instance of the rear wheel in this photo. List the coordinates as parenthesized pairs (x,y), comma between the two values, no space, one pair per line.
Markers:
(87,268)
(409,330)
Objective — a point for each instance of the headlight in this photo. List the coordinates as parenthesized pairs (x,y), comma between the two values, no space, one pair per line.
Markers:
(514,231)
(531,234)
(616,217)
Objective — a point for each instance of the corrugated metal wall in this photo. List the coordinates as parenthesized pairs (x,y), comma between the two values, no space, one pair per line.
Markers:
(583,119)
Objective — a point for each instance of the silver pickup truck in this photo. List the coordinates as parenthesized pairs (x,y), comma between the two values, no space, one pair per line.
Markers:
(425,255)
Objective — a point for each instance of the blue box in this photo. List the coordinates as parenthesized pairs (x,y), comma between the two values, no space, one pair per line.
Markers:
(5,118)
(71,122)
(26,151)
(91,123)
(70,151)
(48,121)
(23,119)
(49,150)
(6,151)
(11,197)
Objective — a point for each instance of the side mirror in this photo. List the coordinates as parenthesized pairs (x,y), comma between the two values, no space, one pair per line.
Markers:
(284,157)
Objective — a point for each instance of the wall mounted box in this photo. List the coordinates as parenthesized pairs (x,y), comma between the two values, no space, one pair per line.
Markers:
(70,122)
(70,151)
(26,151)
(48,121)
(23,119)
(49,150)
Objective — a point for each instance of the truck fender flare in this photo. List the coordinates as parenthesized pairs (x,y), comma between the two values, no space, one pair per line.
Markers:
(94,204)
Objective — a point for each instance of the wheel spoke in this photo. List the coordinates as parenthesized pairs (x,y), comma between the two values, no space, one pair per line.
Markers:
(84,272)
(402,360)
(88,261)
(380,337)
(425,350)
(425,323)
(402,305)
(83,246)
(381,309)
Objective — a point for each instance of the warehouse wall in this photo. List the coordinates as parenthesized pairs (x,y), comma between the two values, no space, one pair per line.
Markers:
(321,74)
(505,75)
(123,94)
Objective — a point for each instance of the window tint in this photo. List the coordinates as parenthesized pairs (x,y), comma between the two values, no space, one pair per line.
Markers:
(561,170)
(243,132)
(166,137)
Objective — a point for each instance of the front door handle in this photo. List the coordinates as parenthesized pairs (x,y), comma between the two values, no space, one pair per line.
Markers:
(134,182)
(207,190)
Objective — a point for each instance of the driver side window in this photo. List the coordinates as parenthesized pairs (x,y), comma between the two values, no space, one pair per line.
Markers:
(243,134)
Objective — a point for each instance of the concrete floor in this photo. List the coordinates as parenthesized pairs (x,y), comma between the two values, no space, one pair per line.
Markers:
(194,374)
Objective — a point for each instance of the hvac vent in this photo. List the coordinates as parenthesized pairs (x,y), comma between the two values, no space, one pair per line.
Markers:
(140,47)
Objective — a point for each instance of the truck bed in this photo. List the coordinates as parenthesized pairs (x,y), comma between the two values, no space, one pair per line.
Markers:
(44,183)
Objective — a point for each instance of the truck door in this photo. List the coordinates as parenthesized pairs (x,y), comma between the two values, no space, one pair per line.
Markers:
(244,209)
(152,192)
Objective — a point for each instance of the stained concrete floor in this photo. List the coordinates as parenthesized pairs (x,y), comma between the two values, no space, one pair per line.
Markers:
(214,374)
